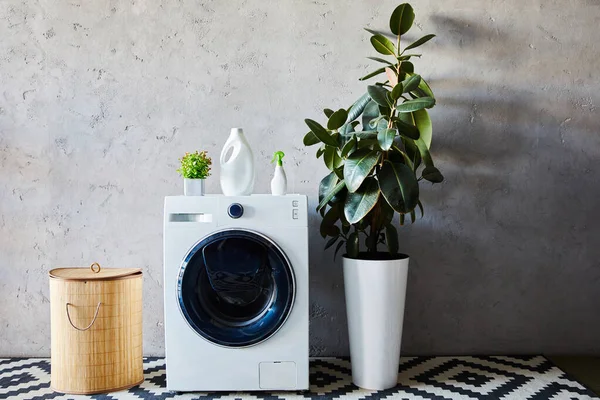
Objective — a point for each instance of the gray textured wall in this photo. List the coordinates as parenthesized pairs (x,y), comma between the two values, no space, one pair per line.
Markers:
(98,99)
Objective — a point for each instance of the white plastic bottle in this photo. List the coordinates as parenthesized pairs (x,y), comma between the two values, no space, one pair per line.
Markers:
(279,181)
(237,165)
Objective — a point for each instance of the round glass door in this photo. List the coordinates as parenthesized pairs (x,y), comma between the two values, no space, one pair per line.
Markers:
(236,288)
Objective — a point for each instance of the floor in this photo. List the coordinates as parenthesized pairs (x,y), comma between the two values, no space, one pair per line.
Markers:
(437,378)
(582,368)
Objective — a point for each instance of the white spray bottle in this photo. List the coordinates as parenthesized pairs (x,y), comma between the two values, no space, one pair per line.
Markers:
(279,181)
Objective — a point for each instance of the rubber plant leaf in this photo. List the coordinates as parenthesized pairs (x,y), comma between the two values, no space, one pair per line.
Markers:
(357,108)
(352,245)
(391,239)
(415,104)
(419,42)
(385,137)
(383,45)
(310,139)
(399,186)
(359,203)
(379,95)
(423,124)
(358,166)
(337,119)
(402,19)
(331,194)
(320,132)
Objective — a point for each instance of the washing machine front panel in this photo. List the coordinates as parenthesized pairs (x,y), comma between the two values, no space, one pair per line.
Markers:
(236,288)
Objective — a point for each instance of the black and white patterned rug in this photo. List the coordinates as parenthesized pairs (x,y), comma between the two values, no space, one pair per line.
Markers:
(436,378)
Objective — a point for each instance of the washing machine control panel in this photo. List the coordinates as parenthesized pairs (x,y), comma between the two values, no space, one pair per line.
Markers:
(235,210)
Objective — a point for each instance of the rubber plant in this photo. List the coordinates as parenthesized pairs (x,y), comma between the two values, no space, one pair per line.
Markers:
(377,151)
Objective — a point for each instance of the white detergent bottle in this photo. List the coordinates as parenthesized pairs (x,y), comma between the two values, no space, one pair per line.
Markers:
(279,181)
(237,165)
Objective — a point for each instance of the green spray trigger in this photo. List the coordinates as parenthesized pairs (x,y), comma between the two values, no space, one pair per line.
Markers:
(278,156)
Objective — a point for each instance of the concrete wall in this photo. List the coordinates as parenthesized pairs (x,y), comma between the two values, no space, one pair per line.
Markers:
(98,99)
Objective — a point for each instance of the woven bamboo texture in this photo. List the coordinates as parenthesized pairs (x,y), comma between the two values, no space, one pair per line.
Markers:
(106,356)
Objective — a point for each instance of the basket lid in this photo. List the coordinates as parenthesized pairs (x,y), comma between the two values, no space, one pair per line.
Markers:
(94,272)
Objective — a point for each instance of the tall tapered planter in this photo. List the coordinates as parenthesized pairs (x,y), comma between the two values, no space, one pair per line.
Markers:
(375,296)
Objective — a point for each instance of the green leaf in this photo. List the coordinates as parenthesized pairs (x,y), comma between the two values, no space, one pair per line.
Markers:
(371,112)
(337,119)
(399,186)
(423,123)
(381,60)
(359,203)
(411,83)
(320,151)
(413,217)
(366,134)
(320,132)
(407,57)
(378,94)
(339,172)
(402,19)
(352,245)
(419,42)
(332,158)
(349,147)
(432,174)
(372,74)
(337,248)
(383,45)
(421,208)
(330,194)
(358,107)
(407,130)
(407,67)
(358,166)
(328,112)
(424,86)
(310,139)
(397,91)
(326,184)
(370,144)
(398,155)
(385,137)
(328,227)
(381,215)
(391,239)
(371,243)
(331,242)
(416,104)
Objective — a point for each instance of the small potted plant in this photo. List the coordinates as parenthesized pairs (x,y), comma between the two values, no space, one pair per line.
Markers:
(195,168)
(377,151)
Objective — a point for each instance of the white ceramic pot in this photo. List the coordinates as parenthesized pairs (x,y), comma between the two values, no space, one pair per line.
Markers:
(375,294)
(193,187)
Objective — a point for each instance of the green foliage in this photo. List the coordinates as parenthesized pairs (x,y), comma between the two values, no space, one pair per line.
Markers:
(195,165)
(377,150)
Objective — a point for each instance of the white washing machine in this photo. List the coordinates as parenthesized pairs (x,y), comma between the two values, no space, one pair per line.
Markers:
(236,292)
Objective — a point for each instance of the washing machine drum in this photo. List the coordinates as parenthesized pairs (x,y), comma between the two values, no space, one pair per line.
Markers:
(236,288)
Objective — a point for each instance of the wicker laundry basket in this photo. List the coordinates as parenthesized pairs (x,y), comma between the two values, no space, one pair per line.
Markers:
(96,318)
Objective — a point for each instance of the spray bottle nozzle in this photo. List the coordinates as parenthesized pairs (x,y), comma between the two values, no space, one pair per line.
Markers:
(278,157)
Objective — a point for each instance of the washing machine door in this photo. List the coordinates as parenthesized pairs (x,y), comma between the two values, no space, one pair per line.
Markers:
(236,288)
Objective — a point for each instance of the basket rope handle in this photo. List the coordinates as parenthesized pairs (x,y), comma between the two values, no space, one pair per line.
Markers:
(91,323)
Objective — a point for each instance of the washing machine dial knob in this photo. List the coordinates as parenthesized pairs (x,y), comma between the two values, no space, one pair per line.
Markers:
(235,210)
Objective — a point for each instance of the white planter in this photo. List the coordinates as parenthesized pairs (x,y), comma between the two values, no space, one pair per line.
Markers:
(193,187)
(375,294)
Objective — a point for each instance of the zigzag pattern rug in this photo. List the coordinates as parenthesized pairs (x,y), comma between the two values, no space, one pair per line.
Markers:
(436,378)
